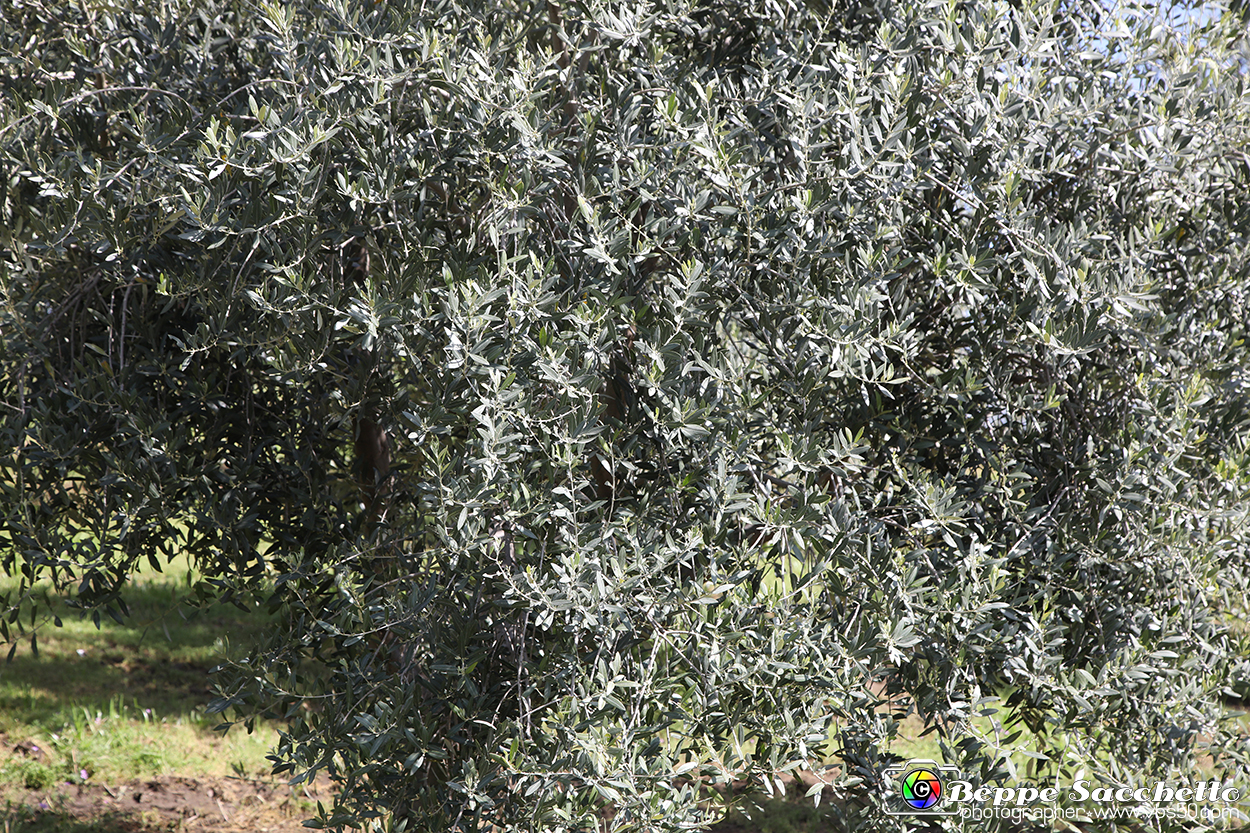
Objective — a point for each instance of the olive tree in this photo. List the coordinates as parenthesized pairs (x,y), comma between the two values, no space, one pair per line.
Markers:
(623,403)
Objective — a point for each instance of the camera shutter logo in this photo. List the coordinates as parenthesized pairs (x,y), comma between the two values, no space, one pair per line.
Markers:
(922,788)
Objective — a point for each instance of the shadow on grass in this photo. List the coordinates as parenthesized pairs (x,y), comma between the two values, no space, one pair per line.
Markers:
(158,658)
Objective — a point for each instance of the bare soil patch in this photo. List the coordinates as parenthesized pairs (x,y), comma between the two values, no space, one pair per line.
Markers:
(180,803)
(173,802)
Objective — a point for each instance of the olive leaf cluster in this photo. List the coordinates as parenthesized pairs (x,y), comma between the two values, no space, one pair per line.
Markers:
(754,377)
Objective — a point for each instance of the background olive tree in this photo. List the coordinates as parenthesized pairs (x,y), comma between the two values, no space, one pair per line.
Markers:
(749,384)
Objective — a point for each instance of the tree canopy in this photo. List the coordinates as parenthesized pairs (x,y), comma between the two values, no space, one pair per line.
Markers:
(752,376)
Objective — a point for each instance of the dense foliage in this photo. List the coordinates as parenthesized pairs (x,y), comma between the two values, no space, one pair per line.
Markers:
(748,384)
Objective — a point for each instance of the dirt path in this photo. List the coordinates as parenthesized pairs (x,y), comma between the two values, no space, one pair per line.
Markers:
(187,805)
(177,803)
(172,802)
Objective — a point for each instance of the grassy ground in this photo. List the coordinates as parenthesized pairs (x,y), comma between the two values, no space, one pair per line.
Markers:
(105,730)
(125,700)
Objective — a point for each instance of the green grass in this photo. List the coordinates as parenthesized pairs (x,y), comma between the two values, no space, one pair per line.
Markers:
(125,700)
